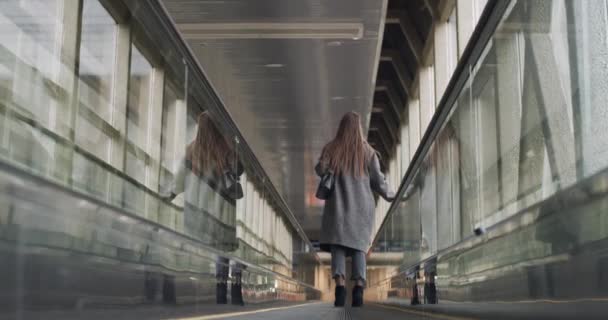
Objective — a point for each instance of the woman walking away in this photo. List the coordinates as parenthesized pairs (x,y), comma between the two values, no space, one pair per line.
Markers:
(209,206)
(348,215)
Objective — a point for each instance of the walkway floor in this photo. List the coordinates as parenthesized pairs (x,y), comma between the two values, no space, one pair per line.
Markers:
(274,311)
(546,310)
(325,311)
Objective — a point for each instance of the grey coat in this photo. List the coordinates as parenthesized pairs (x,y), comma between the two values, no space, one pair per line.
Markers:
(209,215)
(348,215)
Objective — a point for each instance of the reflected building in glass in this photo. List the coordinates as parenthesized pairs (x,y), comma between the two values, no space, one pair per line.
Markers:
(99,105)
(498,205)
(160,153)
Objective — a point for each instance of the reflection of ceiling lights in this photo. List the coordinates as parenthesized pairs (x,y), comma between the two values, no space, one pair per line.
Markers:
(274,65)
(271,30)
(337,98)
(334,43)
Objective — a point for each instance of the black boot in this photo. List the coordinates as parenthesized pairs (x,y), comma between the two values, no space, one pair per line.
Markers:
(241,300)
(236,294)
(169,296)
(221,290)
(358,296)
(340,296)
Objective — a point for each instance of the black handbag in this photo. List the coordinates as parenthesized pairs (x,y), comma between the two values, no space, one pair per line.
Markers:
(326,186)
(232,186)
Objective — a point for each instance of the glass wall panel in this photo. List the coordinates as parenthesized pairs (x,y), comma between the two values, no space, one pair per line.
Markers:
(139,130)
(34,91)
(484,102)
(508,49)
(428,205)
(446,164)
(173,147)
(96,65)
(31,45)
(138,106)
(526,134)
(109,158)
(94,132)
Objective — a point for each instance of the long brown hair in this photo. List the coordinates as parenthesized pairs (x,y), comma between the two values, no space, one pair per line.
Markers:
(346,153)
(210,151)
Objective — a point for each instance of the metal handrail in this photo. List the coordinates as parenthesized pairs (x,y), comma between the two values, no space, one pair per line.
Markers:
(38,180)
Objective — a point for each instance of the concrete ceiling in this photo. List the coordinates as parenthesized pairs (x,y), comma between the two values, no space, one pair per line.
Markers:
(287,70)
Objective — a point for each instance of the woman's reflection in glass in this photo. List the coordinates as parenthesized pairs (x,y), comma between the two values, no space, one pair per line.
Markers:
(209,210)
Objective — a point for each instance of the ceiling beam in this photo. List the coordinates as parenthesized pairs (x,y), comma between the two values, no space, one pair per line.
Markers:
(388,137)
(394,57)
(427,52)
(415,87)
(378,108)
(433,9)
(402,18)
(395,101)
(390,125)
(392,114)
(386,146)
(382,108)
(381,119)
(380,126)
(445,9)
(378,144)
(440,9)
(388,141)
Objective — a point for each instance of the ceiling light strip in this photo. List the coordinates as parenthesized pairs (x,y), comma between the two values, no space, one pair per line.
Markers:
(265,30)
